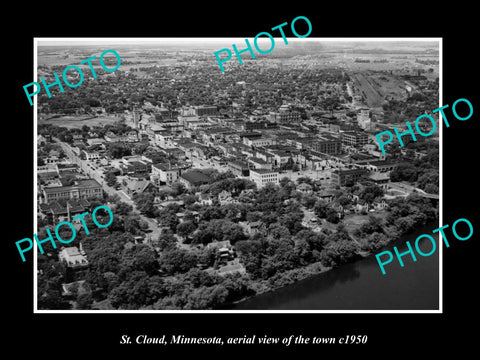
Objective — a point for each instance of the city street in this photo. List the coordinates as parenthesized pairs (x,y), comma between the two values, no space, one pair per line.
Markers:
(96,173)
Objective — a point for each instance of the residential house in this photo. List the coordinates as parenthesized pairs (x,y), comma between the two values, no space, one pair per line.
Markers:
(181,216)
(204,199)
(253,227)
(225,197)
(380,178)
(326,195)
(136,186)
(233,267)
(72,257)
(305,188)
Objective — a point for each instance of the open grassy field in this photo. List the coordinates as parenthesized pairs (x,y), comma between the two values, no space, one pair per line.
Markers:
(72,122)
(353,222)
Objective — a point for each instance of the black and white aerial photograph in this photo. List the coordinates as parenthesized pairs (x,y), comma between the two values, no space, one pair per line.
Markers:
(220,180)
(258,188)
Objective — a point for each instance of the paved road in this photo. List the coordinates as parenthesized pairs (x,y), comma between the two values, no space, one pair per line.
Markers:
(96,173)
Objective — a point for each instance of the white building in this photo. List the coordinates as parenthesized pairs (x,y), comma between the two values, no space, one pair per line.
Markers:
(164,173)
(165,141)
(259,142)
(91,155)
(363,118)
(261,177)
(72,257)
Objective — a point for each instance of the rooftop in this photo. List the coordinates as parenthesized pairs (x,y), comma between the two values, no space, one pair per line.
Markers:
(263,171)
(165,167)
(79,184)
(195,177)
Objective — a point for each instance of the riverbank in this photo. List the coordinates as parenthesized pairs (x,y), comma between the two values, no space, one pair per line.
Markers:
(284,281)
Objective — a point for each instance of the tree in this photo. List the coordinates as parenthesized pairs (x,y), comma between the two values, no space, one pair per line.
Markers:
(218,230)
(374,241)
(186,228)
(370,192)
(373,225)
(252,253)
(207,297)
(123,208)
(111,179)
(332,216)
(133,224)
(344,200)
(430,180)
(431,189)
(198,278)
(137,290)
(144,203)
(140,149)
(84,301)
(284,181)
(320,209)
(314,240)
(118,150)
(53,300)
(339,252)
(139,257)
(166,240)
(177,261)
(404,172)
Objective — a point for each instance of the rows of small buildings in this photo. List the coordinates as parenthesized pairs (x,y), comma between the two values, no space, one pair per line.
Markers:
(255,149)
(258,150)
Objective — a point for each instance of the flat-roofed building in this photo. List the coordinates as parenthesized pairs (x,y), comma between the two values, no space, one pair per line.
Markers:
(259,163)
(238,168)
(259,141)
(285,116)
(134,167)
(356,139)
(164,174)
(347,176)
(326,145)
(262,177)
(194,178)
(81,189)
(90,155)
(363,118)
(165,140)
(204,110)
(381,166)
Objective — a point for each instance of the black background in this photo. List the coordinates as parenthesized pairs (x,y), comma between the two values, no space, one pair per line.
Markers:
(59,335)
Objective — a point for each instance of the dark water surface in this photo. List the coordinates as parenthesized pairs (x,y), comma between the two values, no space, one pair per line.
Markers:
(362,286)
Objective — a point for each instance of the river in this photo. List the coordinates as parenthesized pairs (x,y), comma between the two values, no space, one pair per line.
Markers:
(361,285)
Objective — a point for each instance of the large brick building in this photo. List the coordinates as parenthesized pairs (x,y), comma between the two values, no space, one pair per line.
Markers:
(344,177)
(81,189)
(326,145)
(354,138)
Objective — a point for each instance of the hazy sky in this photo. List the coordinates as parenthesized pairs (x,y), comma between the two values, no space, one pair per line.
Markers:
(206,40)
